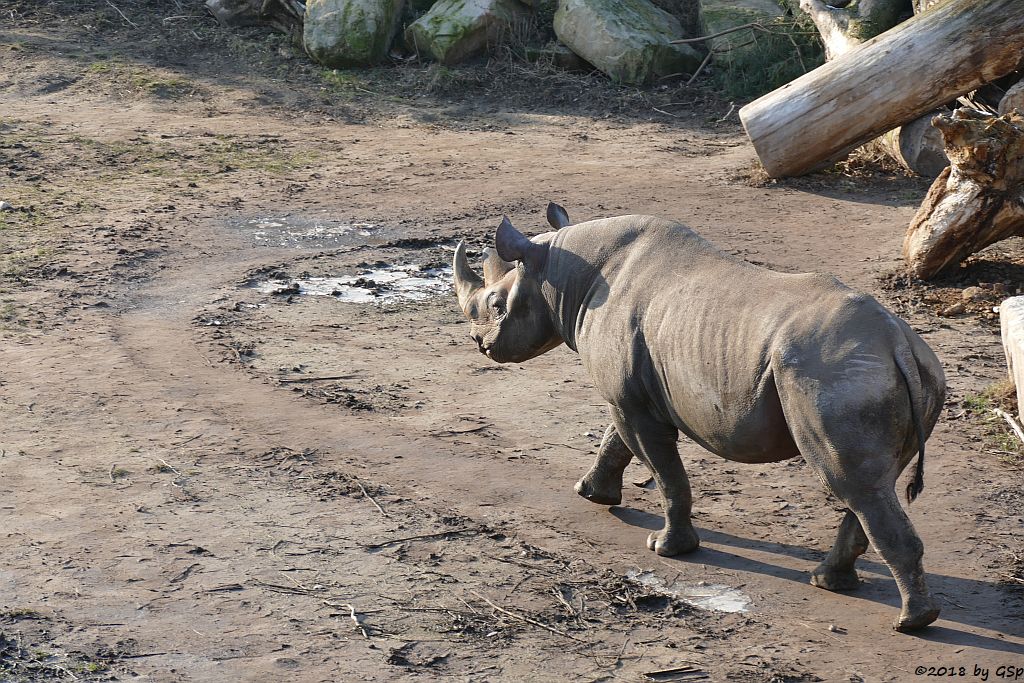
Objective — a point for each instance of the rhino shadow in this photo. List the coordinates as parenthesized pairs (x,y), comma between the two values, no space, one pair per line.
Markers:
(979,599)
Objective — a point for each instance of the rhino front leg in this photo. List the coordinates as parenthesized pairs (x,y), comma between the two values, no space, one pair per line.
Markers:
(655,444)
(603,483)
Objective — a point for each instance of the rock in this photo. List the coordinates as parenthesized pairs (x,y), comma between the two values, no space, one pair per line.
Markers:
(5,206)
(1013,100)
(626,39)
(1011,322)
(974,294)
(454,30)
(235,12)
(341,33)
(559,55)
(950,311)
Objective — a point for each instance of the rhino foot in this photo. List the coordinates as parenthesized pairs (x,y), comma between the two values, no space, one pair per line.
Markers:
(602,493)
(834,579)
(674,543)
(916,617)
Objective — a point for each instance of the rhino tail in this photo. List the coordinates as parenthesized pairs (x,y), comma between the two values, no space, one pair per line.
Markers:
(907,364)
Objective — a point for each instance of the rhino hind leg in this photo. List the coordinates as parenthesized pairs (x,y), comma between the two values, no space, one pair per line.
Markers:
(836,573)
(855,436)
(603,483)
(655,444)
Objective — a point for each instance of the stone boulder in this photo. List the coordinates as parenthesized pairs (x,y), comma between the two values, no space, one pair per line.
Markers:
(235,12)
(454,30)
(343,33)
(626,39)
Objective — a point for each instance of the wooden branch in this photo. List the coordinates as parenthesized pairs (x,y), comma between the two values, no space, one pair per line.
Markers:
(978,200)
(894,78)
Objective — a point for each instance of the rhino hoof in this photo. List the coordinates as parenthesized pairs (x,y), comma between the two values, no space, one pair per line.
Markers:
(912,622)
(587,490)
(676,544)
(833,580)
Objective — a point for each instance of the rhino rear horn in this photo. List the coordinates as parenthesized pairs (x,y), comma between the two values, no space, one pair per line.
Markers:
(466,281)
(495,267)
(513,245)
(558,217)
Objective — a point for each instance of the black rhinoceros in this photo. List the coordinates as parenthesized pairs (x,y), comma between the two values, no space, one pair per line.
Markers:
(755,366)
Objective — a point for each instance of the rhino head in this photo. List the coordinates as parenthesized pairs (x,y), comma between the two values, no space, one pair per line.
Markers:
(510,320)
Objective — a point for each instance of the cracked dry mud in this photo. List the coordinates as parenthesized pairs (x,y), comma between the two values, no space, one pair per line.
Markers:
(204,482)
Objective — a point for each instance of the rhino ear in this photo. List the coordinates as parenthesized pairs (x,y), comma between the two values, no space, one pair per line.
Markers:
(495,267)
(558,218)
(513,245)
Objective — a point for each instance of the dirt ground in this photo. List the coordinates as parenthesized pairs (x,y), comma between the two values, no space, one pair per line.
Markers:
(205,481)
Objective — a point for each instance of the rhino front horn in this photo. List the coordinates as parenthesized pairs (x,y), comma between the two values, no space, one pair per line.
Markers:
(466,281)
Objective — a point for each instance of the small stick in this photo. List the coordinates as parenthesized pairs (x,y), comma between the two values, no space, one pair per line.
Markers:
(326,378)
(371,498)
(190,439)
(707,58)
(111,473)
(168,466)
(439,534)
(683,41)
(352,616)
(528,620)
(1010,421)
(122,14)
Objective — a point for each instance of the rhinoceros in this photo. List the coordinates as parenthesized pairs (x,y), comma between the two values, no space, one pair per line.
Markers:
(753,365)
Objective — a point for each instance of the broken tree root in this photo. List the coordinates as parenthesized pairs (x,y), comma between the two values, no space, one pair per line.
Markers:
(975,202)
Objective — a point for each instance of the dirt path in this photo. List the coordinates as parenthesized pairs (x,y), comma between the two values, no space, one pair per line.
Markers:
(178,507)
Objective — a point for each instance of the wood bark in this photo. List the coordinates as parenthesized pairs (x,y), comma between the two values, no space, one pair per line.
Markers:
(975,202)
(890,80)
(916,146)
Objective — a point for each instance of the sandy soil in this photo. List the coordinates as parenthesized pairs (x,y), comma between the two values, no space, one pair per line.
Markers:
(205,481)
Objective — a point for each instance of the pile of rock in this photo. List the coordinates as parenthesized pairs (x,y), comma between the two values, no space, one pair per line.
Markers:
(629,40)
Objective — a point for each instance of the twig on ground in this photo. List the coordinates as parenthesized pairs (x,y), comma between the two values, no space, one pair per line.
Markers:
(351,615)
(324,378)
(452,432)
(170,467)
(189,440)
(370,498)
(528,620)
(110,474)
(707,58)
(1010,421)
(122,14)
(418,537)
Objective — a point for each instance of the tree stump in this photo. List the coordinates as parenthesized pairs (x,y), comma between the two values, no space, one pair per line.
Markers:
(975,202)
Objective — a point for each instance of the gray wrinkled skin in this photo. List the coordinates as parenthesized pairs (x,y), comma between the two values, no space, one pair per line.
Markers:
(753,365)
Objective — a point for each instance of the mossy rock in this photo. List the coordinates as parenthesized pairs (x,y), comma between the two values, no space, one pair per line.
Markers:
(344,33)
(629,40)
(454,30)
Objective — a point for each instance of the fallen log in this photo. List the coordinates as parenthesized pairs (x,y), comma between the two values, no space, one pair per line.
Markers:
(894,78)
(916,146)
(975,202)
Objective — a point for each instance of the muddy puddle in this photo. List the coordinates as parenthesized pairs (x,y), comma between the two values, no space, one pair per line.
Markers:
(387,284)
(705,595)
(304,232)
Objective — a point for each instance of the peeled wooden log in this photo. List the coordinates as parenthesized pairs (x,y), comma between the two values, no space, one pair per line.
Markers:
(916,146)
(1011,323)
(978,200)
(909,70)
